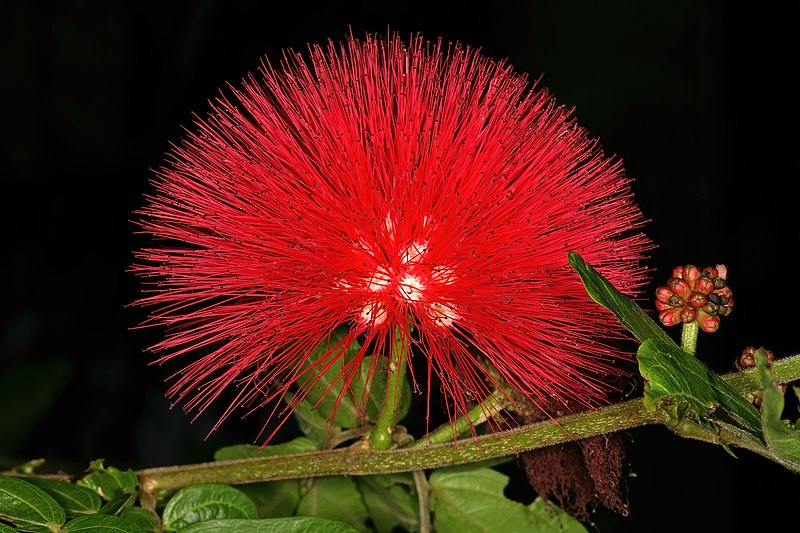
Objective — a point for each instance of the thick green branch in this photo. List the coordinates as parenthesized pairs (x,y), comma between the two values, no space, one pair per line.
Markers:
(358,460)
(158,483)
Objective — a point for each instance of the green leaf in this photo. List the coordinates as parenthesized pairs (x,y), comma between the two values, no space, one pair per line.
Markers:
(313,424)
(110,482)
(206,501)
(28,507)
(274,498)
(323,395)
(472,499)
(142,518)
(118,504)
(102,524)
(626,310)
(74,499)
(7,529)
(782,438)
(391,501)
(671,374)
(336,498)
(296,524)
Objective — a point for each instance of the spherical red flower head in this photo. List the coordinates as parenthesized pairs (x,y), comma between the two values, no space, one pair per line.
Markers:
(381,185)
(693,294)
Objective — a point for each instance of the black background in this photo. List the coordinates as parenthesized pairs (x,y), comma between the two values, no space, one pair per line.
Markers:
(697,98)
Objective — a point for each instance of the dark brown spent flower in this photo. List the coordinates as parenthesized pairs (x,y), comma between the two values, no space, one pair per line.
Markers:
(693,294)
(747,359)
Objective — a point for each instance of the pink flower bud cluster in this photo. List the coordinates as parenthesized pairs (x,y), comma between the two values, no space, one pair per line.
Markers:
(693,294)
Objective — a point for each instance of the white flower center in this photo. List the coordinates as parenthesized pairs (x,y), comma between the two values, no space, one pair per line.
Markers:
(407,281)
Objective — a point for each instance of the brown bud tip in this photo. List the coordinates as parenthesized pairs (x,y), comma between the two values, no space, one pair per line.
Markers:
(709,272)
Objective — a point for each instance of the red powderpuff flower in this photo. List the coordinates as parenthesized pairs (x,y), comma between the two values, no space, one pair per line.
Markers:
(381,185)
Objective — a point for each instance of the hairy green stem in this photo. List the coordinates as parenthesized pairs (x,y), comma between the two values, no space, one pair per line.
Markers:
(359,460)
(158,483)
(381,438)
(689,337)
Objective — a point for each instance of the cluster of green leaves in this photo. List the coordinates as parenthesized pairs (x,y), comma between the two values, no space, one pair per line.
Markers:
(105,500)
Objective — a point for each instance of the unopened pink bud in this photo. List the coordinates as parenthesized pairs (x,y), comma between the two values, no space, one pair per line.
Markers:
(670,317)
(697,299)
(688,315)
(680,287)
(708,323)
(690,274)
(663,306)
(663,294)
(704,285)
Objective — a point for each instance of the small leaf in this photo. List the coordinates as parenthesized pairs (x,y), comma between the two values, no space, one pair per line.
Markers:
(96,465)
(391,501)
(669,372)
(118,504)
(74,499)
(102,524)
(295,524)
(472,499)
(7,529)
(626,310)
(28,467)
(28,507)
(336,498)
(781,437)
(110,482)
(142,518)
(206,501)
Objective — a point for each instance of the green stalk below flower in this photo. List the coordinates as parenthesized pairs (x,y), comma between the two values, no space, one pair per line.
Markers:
(381,437)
